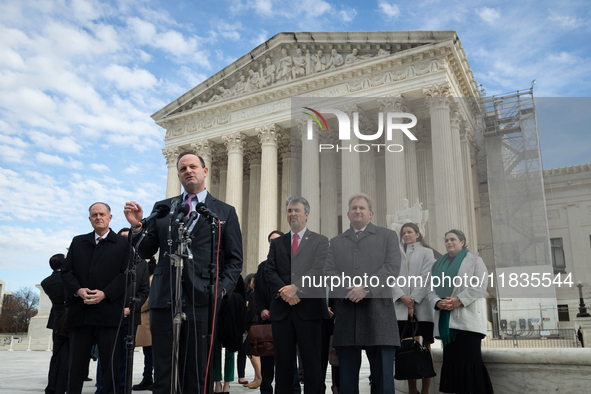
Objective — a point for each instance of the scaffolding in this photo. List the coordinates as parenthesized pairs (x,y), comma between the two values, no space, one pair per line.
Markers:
(515,180)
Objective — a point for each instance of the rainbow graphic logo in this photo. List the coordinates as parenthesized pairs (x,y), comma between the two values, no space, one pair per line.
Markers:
(315,118)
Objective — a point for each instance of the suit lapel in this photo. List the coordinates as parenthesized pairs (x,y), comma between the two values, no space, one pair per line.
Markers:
(304,241)
(211,203)
(287,242)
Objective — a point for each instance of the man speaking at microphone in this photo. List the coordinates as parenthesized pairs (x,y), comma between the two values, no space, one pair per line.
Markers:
(195,280)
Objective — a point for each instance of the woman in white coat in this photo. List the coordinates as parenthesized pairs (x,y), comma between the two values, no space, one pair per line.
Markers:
(460,316)
(412,298)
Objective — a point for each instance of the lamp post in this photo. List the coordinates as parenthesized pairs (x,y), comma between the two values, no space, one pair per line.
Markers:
(582,309)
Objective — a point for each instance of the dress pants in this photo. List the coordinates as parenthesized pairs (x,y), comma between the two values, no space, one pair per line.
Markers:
(381,364)
(287,333)
(148,363)
(268,374)
(81,341)
(192,350)
(57,382)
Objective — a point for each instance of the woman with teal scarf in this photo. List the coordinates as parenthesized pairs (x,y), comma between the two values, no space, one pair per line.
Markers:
(460,316)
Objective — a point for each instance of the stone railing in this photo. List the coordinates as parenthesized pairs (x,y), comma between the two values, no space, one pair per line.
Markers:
(550,370)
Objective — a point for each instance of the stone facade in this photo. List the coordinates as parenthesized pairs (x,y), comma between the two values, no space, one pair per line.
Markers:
(249,103)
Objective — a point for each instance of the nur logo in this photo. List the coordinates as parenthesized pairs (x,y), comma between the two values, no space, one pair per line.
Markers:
(345,129)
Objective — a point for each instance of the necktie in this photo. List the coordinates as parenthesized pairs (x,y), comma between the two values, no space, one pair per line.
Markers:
(359,233)
(99,239)
(294,244)
(189,200)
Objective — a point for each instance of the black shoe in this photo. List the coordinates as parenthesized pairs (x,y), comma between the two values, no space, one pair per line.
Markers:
(87,379)
(145,384)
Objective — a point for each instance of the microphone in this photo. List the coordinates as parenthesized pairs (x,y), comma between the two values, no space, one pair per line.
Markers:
(160,211)
(192,218)
(181,213)
(202,209)
(173,205)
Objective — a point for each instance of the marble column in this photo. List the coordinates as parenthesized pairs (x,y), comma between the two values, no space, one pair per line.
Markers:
(246,246)
(466,135)
(214,174)
(395,161)
(329,220)
(422,170)
(412,178)
(287,179)
(461,191)
(254,196)
(350,168)
(223,181)
(205,149)
(173,185)
(235,145)
(311,176)
(380,205)
(268,135)
(439,102)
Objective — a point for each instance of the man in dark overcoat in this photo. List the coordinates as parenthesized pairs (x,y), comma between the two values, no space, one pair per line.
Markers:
(57,382)
(193,358)
(296,311)
(94,275)
(364,310)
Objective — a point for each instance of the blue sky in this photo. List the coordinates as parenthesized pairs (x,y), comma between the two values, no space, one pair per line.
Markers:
(79,80)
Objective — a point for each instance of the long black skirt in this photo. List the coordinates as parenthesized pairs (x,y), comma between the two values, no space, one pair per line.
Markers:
(463,370)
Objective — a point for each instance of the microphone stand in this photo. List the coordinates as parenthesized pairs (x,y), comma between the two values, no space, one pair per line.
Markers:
(130,338)
(177,260)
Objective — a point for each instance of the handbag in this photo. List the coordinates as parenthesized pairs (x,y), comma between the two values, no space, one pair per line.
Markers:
(261,340)
(413,360)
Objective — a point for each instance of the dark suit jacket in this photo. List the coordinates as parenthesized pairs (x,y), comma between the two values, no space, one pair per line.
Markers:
(100,267)
(262,292)
(372,321)
(281,271)
(195,273)
(54,288)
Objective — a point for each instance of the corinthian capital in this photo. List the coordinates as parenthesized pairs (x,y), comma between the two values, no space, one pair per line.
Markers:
(438,95)
(171,153)
(268,134)
(392,104)
(234,142)
(203,148)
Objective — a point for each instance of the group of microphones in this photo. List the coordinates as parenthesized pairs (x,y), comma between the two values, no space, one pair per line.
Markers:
(178,213)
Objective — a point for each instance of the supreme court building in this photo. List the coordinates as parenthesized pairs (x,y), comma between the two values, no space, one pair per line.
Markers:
(241,121)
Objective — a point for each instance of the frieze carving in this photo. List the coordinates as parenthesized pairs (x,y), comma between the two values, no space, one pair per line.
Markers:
(412,71)
(201,124)
(286,67)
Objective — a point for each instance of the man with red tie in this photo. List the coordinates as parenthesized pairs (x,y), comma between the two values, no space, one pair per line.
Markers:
(297,312)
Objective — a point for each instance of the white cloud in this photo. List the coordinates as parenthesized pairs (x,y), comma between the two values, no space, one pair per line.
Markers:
(489,15)
(65,144)
(229,31)
(262,37)
(132,169)
(564,57)
(11,154)
(390,11)
(49,159)
(127,79)
(13,141)
(566,21)
(99,167)
(348,15)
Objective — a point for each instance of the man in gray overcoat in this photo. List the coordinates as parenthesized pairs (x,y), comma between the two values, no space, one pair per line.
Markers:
(364,308)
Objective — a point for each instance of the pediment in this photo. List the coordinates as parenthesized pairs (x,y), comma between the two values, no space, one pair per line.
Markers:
(289,57)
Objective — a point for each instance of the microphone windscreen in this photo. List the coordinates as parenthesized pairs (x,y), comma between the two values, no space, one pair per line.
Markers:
(184,209)
(162,210)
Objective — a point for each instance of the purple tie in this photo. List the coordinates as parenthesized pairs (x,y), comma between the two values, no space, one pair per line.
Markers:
(189,200)
(359,233)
